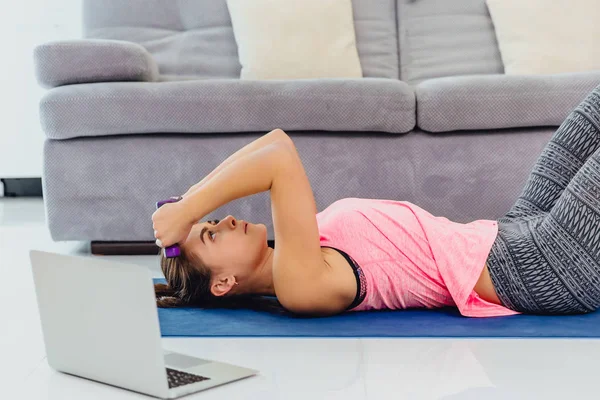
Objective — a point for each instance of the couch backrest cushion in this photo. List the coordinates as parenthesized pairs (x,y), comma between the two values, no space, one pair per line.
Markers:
(439,38)
(194,38)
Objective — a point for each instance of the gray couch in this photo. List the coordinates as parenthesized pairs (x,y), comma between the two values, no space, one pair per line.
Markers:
(150,101)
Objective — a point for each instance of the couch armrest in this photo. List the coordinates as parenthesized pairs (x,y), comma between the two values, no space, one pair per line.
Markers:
(92,60)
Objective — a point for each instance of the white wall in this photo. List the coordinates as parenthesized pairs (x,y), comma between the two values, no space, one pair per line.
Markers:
(23,25)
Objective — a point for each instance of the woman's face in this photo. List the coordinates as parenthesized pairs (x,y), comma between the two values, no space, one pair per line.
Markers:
(229,246)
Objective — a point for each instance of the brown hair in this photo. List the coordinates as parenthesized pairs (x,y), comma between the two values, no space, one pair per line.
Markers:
(188,285)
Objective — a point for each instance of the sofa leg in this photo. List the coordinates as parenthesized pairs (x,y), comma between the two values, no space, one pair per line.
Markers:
(101,248)
(124,248)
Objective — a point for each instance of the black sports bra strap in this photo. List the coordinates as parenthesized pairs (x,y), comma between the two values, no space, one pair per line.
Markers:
(361,283)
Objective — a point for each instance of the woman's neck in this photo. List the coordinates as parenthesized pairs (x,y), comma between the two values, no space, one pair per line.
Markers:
(261,282)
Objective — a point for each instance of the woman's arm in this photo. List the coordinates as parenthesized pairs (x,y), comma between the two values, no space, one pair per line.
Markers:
(246,175)
(274,136)
(303,281)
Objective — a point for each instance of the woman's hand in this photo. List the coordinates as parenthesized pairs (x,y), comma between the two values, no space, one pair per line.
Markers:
(171,224)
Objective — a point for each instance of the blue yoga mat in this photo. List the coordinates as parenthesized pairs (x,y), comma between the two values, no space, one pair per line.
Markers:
(446,322)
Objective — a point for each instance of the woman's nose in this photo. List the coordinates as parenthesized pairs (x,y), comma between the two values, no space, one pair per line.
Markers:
(231,221)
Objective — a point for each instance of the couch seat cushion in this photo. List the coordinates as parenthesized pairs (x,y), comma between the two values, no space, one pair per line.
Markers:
(500,101)
(228,105)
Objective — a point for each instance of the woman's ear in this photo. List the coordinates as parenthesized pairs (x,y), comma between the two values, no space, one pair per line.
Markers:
(222,286)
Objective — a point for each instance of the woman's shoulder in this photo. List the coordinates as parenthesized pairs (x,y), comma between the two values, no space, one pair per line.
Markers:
(331,292)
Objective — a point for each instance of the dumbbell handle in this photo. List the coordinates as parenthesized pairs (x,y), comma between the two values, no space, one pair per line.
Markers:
(171,251)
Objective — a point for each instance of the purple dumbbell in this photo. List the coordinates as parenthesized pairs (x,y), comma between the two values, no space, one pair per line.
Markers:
(171,251)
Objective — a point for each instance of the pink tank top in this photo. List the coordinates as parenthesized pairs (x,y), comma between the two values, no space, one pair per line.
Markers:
(407,258)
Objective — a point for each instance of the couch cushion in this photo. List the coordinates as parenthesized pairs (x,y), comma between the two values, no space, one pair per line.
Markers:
(439,38)
(191,38)
(295,40)
(65,62)
(563,38)
(500,101)
(228,105)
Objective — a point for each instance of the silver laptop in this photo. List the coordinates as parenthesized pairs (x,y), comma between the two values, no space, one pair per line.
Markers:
(100,322)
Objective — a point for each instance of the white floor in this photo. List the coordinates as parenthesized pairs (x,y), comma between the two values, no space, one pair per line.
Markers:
(289,368)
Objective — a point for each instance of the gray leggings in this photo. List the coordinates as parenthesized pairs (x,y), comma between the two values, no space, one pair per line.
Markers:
(546,258)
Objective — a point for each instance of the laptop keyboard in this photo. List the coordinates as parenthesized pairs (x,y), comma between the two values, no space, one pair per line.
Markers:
(180,378)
